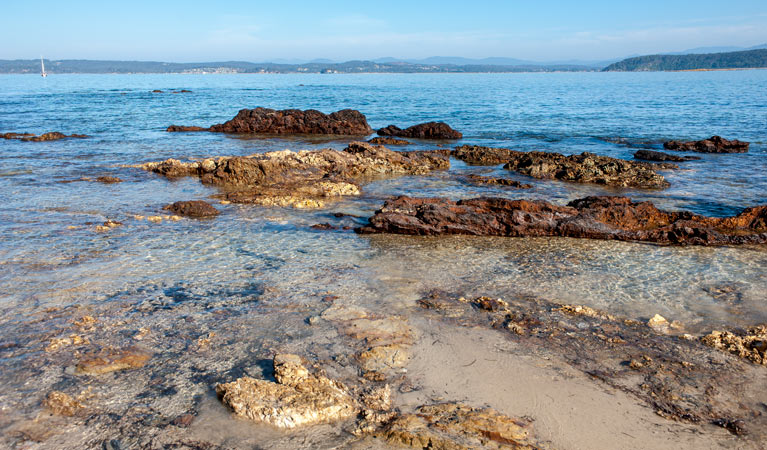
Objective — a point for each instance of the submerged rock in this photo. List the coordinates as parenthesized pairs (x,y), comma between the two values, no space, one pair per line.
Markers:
(296,398)
(184,128)
(457,426)
(650,155)
(429,130)
(193,208)
(613,218)
(108,179)
(304,179)
(388,141)
(62,404)
(479,179)
(751,345)
(715,144)
(112,360)
(50,136)
(583,168)
(295,121)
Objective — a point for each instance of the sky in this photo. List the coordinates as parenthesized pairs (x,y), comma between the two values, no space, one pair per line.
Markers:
(258,31)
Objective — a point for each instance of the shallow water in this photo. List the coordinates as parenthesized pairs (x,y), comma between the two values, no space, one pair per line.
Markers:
(268,262)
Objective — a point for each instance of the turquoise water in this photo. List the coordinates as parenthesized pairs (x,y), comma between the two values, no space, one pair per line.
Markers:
(45,262)
(253,275)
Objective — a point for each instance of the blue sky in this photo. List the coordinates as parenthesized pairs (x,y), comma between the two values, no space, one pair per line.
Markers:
(540,30)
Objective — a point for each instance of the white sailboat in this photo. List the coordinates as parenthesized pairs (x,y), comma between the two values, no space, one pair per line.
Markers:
(42,68)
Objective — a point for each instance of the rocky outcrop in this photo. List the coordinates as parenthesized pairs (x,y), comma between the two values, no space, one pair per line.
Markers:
(108,179)
(305,178)
(583,168)
(296,398)
(388,141)
(614,218)
(479,179)
(751,345)
(457,426)
(193,208)
(430,130)
(295,121)
(483,156)
(50,136)
(650,155)
(714,144)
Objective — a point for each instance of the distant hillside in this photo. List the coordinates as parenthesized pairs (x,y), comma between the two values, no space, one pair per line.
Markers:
(732,60)
(32,66)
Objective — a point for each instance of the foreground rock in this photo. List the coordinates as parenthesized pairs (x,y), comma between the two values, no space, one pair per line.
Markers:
(388,141)
(715,144)
(583,168)
(296,398)
(305,179)
(50,136)
(457,426)
(193,208)
(289,121)
(613,218)
(430,130)
(650,155)
(751,345)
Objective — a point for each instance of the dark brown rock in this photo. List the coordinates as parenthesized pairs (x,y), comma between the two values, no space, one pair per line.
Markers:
(479,179)
(715,144)
(157,91)
(429,130)
(483,156)
(295,121)
(650,155)
(613,218)
(193,208)
(388,141)
(178,128)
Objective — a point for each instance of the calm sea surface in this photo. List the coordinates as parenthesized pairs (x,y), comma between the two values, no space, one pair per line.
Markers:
(50,255)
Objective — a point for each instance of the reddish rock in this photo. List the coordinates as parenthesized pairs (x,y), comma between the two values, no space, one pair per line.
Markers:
(715,144)
(430,130)
(157,91)
(295,121)
(193,208)
(178,128)
(650,155)
(613,218)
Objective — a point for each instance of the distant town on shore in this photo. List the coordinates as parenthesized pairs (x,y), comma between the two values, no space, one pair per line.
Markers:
(756,57)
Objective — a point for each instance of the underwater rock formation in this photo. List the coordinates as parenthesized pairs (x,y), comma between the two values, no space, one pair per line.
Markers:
(192,208)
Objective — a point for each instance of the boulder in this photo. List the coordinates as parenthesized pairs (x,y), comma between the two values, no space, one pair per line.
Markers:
(430,130)
(612,218)
(295,121)
(192,208)
(715,144)
(650,155)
